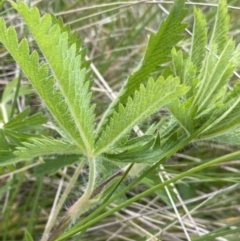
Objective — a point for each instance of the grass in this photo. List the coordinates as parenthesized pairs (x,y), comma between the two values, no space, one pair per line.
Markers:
(115,35)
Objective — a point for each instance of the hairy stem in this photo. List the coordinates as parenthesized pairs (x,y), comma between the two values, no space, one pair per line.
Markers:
(150,191)
(98,189)
(55,212)
(79,207)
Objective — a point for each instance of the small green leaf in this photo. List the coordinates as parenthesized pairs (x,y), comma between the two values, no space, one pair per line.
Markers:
(180,112)
(9,91)
(2,2)
(7,158)
(137,142)
(27,236)
(229,138)
(146,155)
(183,68)
(3,141)
(22,122)
(52,165)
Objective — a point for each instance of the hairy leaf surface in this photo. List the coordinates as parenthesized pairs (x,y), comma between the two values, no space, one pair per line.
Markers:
(157,52)
(68,80)
(221,27)
(38,75)
(226,117)
(215,75)
(145,102)
(52,165)
(199,39)
(45,147)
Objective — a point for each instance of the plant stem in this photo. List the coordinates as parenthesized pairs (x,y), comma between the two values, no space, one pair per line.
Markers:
(98,189)
(151,190)
(79,207)
(55,212)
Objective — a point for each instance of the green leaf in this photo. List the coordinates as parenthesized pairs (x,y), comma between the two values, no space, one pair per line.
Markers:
(229,138)
(2,2)
(183,68)
(221,27)
(66,91)
(186,71)
(145,102)
(7,158)
(206,101)
(38,76)
(45,147)
(15,138)
(180,112)
(199,39)
(134,143)
(52,165)
(225,117)
(215,75)
(9,91)
(3,140)
(157,52)
(66,153)
(20,128)
(23,122)
(27,236)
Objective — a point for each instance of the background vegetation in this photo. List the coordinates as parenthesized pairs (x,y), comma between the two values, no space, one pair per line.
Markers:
(115,35)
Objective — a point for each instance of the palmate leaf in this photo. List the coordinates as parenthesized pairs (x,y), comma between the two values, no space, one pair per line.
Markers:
(206,100)
(66,92)
(157,52)
(145,102)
